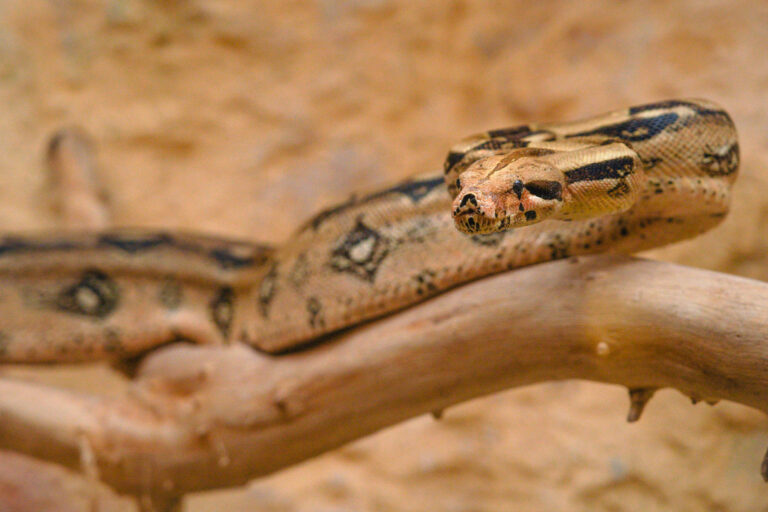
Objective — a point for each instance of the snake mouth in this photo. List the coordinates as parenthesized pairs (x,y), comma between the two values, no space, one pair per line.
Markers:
(478,224)
(474,223)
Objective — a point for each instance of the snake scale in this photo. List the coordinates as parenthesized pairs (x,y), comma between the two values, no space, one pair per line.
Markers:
(624,181)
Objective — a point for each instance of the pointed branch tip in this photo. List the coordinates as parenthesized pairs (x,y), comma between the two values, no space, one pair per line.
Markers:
(638,399)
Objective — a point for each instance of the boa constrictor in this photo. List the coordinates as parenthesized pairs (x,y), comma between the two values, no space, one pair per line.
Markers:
(624,181)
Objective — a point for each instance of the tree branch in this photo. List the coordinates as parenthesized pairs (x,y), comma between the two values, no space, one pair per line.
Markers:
(208,417)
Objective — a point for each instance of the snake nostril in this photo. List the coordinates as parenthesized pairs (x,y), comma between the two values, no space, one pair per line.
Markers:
(469,198)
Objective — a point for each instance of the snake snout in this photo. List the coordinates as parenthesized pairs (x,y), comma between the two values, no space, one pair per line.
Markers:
(468,199)
(473,213)
(467,203)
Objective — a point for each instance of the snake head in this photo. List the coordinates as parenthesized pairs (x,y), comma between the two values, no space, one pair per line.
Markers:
(501,192)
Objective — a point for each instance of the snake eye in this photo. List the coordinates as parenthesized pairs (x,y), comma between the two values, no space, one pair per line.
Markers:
(517,188)
(545,189)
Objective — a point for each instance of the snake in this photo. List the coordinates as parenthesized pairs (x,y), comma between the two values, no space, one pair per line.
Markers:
(624,181)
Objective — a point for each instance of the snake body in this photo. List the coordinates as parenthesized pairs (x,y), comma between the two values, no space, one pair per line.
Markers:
(624,181)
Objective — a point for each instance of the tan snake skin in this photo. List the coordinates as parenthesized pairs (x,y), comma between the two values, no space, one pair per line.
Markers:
(629,180)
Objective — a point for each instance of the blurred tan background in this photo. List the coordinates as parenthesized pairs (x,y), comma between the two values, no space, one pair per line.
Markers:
(244,117)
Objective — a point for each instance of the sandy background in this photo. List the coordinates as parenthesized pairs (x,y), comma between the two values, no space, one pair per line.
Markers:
(244,117)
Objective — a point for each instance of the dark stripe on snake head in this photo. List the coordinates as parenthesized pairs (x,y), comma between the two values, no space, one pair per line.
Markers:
(607,169)
(633,130)
(545,189)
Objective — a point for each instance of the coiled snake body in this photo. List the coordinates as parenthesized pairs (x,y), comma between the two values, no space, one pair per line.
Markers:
(624,181)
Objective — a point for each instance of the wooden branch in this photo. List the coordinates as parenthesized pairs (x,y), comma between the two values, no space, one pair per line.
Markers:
(207,417)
